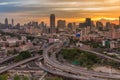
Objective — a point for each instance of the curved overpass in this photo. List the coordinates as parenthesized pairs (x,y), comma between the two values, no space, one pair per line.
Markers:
(73,70)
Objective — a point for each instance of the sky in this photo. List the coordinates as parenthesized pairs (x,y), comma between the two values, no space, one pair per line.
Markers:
(23,11)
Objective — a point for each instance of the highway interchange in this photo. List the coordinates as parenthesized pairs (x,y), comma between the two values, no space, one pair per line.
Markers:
(52,65)
(91,75)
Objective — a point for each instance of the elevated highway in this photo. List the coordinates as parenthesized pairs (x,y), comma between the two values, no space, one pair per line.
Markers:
(73,70)
(8,58)
(19,63)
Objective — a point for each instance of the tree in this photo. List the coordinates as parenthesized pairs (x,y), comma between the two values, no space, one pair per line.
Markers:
(16,77)
(25,78)
(23,55)
(3,77)
(54,78)
(40,52)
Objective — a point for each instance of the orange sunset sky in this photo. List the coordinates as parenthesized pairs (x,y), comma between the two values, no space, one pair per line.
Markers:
(23,11)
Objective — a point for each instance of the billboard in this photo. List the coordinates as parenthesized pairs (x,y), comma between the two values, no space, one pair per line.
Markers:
(78,35)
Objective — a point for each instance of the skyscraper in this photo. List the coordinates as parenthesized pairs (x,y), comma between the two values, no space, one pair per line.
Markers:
(119,21)
(88,22)
(12,22)
(61,24)
(108,24)
(52,22)
(6,21)
(99,25)
(70,25)
(43,26)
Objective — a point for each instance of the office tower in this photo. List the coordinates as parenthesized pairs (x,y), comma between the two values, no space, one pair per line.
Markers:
(43,26)
(108,25)
(99,25)
(88,22)
(74,25)
(61,24)
(52,22)
(70,25)
(82,25)
(92,26)
(6,21)
(119,21)
(12,22)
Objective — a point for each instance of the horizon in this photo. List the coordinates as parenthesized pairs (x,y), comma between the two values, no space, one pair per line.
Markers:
(71,11)
(77,21)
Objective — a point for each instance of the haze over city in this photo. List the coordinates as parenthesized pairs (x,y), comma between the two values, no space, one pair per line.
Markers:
(59,39)
(71,10)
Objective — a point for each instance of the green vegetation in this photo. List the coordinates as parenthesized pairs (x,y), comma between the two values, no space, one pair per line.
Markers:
(40,52)
(23,55)
(25,78)
(3,77)
(86,59)
(54,78)
(17,77)
(11,34)
(81,58)
(93,44)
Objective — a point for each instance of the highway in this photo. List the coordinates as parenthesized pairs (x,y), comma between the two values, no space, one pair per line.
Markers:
(52,65)
(13,56)
(102,55)
(73,70)
(42,78)
(8,58)
(19,63)
(80,69)
(60,73)
(59,66)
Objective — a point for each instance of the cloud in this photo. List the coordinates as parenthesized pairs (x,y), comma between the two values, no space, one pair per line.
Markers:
(8,3)
(62,8)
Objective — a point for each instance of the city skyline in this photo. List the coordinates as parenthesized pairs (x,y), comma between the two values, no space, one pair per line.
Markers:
(71,11)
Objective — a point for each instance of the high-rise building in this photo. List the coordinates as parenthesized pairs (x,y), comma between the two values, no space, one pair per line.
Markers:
(12,22)
(99,25)
(92,26)
(61,24)
(108,25)
(119,21)
(43,27)
(52,22)
(81,25)
(88,22)
(6,21)
(70,25)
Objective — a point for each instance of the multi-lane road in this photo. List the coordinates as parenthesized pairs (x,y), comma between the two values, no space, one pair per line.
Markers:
(52,65)
(8,58)
(102,55)
(19,63)
(50,62)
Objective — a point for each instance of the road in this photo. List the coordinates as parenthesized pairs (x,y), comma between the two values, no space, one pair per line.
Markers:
(80,69)
(52,65)
(64,74)
(19,63)
(73,70)
(8,58)
(42,78)
(103,55)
